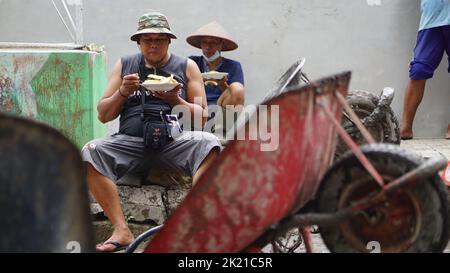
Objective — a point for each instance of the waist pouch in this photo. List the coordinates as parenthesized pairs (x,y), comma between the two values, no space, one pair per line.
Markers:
(158,133)
(159,129)
(155,135)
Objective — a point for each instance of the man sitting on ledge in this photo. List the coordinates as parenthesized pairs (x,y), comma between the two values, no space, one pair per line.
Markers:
(110,158)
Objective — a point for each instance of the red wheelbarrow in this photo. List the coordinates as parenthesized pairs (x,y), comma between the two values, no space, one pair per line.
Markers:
(254,192)
(250,197)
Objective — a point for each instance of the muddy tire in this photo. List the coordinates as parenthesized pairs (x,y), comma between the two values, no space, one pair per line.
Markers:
(413,220)
(363,103)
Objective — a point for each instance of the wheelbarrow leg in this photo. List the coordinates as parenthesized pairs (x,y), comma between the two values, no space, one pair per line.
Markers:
(306,234)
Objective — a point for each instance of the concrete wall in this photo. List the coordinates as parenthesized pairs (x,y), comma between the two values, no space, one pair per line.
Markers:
(372,38)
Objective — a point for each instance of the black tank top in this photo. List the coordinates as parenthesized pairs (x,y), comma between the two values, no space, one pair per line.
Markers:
(130,117)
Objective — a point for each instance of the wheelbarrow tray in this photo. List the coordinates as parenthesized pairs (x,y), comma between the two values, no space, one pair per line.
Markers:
(246,190)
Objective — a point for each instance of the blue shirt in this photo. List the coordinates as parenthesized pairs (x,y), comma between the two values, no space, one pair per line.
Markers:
(233,68)
(434,13)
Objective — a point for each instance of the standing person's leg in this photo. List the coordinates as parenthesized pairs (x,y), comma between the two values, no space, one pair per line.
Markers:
(446,30)
(428,53)
(447,136)
(106,194)
(413,96)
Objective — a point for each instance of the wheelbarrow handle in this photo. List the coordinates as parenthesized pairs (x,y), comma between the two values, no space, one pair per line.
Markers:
(410,179)
(425,170)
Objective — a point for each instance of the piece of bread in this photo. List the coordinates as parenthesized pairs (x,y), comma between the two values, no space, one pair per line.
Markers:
(211,82)
(156,79)
(213,72)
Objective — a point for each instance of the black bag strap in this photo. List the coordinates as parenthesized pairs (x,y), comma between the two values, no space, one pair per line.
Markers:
(143,94)
(142,89)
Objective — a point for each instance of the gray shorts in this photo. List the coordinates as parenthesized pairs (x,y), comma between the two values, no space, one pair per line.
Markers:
(119,155)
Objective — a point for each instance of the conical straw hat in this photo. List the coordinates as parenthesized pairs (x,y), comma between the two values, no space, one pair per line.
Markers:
(212,29)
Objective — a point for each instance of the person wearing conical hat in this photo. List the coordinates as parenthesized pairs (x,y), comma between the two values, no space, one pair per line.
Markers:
(213,39)
(112,158)
(225,94)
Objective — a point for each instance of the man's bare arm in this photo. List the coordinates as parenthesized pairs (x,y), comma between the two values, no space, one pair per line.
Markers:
(232,95)
(116,92)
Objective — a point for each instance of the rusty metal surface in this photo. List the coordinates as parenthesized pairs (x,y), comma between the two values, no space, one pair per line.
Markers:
(306,235)
(58,87)
(246,190)
(390,215)
(395,223)
(43,192)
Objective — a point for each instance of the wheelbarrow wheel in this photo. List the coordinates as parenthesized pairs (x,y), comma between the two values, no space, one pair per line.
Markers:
(363,103)
(411,220)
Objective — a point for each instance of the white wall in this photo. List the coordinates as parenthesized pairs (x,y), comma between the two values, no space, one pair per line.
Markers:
(372,38)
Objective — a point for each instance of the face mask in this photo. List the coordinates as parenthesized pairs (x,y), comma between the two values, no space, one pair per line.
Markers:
(214,57)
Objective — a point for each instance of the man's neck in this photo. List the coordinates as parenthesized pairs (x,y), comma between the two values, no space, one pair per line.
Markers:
(157,64)
(214,64)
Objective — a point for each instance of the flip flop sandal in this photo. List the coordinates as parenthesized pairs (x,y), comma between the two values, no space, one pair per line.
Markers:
(118,247)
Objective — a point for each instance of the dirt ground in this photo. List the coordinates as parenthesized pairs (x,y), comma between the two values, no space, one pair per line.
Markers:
(319,246)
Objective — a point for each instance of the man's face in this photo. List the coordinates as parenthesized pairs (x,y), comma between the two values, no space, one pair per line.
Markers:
(210,45)
(154,47)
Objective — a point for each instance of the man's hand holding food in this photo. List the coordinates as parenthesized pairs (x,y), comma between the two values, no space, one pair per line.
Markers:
(171,96)
(130,83)
(222,83)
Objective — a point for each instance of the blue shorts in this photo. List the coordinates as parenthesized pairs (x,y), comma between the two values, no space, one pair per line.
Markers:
(428,53)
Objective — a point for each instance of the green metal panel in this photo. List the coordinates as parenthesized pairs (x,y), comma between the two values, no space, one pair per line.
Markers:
(58,87)
(98,86)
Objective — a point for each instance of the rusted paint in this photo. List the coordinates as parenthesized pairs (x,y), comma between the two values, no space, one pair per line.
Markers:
(59,88)
(246,190)
(390,215)
(306,235)
(6,95)
(395,223)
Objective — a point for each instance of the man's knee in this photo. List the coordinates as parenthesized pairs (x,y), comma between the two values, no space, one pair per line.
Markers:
(204,137)
(420,71)
(91,172)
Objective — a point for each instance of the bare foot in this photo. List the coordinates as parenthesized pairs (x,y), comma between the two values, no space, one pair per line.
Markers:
(406,134)
(406,131)
(119,240)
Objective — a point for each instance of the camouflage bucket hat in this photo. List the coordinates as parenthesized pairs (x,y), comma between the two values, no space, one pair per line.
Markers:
(153,22)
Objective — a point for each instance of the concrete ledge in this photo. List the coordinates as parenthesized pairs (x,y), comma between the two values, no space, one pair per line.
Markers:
(144,207)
